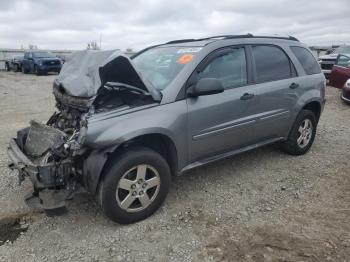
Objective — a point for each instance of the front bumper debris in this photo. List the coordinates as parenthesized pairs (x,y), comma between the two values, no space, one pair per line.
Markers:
(32,154)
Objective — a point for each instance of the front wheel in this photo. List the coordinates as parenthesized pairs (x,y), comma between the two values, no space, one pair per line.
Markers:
(302,134)
(134,185)
(37,71)
(15,68)
(24,70)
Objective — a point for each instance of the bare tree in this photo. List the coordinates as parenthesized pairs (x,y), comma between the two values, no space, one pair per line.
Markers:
(93,46)
(31,46)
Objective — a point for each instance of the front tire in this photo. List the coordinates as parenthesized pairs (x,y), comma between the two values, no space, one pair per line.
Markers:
(135,184)
(15,68)
(37,71)
(24,70)
(302,134)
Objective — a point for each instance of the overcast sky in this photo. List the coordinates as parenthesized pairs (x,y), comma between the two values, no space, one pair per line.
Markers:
(58,24)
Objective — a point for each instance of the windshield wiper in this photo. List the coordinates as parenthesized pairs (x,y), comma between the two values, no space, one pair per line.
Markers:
(119,86)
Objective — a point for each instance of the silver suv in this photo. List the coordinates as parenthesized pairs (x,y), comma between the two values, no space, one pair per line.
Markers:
(124,126)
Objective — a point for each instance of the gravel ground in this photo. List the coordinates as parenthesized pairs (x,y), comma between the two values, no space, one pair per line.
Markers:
(262,205)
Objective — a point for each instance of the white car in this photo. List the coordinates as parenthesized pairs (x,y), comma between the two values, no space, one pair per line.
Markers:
(327,61)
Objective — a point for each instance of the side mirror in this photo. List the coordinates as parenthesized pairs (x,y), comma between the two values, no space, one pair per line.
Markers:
(206,86)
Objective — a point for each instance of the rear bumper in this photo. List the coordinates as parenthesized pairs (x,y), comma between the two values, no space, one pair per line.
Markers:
(345,95)
(345,99)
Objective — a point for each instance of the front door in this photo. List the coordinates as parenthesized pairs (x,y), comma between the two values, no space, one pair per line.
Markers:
(221,122)
(340,72)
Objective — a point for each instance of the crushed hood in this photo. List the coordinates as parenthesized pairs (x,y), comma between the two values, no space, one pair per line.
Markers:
(85,72)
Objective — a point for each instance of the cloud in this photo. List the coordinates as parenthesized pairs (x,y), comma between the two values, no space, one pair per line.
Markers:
(52,24)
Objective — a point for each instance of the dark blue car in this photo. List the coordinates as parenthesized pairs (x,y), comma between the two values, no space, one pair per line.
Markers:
(40,62)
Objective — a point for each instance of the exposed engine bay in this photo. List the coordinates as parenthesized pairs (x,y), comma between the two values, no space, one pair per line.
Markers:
(52,154)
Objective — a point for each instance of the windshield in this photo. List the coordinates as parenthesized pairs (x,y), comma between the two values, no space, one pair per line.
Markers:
(342,50)
(43,54)
(161,65)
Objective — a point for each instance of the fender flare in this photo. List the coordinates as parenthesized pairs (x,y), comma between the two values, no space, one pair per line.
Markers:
(96,161)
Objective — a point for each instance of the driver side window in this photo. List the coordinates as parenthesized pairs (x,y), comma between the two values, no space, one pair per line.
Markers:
(230,68)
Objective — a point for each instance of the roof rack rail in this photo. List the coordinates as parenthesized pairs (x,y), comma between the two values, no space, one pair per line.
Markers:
(227,36)
(232,37)
(181,41)
(278,37)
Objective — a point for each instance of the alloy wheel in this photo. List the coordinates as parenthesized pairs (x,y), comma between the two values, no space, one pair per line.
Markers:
(138,188)
(305,133)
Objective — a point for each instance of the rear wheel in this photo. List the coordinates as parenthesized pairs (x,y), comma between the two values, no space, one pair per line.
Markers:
(134,185)
(302,134)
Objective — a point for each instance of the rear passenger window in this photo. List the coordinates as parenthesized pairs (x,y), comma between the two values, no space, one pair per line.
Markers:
(271,63)
(230,68)
(306,59)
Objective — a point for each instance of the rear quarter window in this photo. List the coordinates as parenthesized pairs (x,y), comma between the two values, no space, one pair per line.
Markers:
(306,59)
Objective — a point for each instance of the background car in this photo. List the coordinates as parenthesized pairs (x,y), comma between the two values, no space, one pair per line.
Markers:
(340,76)
(327,61)
(341,71)
(40,62)
(345,94)
(14,64)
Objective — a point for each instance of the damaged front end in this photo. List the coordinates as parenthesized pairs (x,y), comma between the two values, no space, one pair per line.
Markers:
(43,153)
(52,155)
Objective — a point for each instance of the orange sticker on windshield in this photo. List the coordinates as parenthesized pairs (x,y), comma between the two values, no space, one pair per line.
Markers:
(184,59)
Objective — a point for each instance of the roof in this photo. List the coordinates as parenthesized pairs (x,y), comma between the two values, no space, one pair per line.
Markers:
(207,40)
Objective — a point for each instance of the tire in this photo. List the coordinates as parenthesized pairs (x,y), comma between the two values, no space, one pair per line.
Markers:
(15,68)
(7,67)
(120,192)
(24,71)
(36,71)
(301,137)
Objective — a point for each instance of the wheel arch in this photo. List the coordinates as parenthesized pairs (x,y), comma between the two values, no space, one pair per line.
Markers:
(98,160)
(315,107)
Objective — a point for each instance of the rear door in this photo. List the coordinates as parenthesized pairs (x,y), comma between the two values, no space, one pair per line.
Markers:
(221,122)
(276,89)
(340,72)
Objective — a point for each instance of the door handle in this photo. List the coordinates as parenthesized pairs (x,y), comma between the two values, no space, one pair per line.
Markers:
(293,85)
(247,96)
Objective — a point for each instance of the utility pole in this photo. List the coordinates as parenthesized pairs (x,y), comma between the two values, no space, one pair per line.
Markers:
(100,40)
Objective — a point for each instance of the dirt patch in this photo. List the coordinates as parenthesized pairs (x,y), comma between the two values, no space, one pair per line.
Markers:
(12,227)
